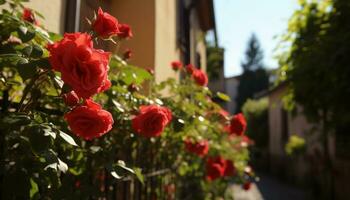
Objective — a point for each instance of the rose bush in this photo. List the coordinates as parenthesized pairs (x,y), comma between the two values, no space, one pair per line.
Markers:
(59,143)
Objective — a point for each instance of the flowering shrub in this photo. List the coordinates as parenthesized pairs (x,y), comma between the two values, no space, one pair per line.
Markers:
(58,142)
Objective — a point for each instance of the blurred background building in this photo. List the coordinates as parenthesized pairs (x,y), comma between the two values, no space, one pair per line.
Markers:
(163,30)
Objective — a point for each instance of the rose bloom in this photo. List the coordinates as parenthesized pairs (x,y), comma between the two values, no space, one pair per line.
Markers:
(176,65)
(124,31)
(238,124)
(190,68)
(89,121)
(215,167)
(82,67)
(151,120)
(28,16)
(200,77)
(199,148)
(105,24)
(230,169)
(70,98)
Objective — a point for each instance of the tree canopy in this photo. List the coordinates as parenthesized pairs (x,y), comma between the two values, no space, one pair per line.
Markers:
(254,78)
(316,64)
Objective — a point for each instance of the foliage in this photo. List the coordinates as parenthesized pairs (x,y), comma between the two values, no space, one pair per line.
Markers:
(315,62)
(256,112)
(254,78)
(215,59)
(295,145)
(41,158)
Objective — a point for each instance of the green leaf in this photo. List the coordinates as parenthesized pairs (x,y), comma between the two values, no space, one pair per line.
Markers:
(27,50)
(67,138)
(223,96)
(137,75)
(26,70)
(37,51)
(25,34)
(62,166)
(33,189)
(138,174)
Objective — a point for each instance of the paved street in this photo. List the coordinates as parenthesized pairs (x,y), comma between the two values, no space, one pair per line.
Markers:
(268,188)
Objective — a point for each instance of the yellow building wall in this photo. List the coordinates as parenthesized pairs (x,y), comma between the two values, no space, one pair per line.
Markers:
(140,15)
(165,39)
(53,11)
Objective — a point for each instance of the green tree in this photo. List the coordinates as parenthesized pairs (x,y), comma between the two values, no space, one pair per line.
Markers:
(254,78)
(317,68)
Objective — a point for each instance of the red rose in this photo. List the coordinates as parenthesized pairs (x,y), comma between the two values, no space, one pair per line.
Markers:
(105,24)
(238,124)
(200,77)
(124,31)
(190,68)
(28,16)
(247,185)
(152,120)
(230,169)
(176,65)
(215,167)
(199,148)
(70,99)
(82,67)
(89,120)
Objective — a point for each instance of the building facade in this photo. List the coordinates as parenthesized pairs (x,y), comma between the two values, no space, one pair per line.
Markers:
(163,30)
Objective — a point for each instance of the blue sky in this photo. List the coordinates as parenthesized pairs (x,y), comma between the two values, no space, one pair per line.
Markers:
(236,20)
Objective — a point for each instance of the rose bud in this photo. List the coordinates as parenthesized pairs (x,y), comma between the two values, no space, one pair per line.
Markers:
(150,70)
(70,99)
(127,54)
(176,65)
(151,120)
(133,88)
(200,77)
(247,185)
(105,24)
(14,40)
(28,16)
(89,121)
(125,31)
(238,124)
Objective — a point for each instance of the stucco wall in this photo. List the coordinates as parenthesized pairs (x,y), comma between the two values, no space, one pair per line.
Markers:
(231,87)
(140,15)
(165,39)
(275,123)
(53,11)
